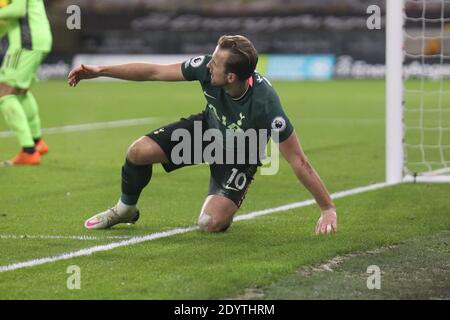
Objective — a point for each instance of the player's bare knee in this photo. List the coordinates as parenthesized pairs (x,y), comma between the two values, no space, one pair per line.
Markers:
(204,222)
(145,151)
(134,153)
(138,153)
(209,224)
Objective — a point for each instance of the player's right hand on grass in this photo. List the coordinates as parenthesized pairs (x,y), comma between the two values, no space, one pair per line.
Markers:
(83,72)
(327,222)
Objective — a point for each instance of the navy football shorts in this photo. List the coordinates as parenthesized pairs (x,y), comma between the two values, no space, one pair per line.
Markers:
(229,180)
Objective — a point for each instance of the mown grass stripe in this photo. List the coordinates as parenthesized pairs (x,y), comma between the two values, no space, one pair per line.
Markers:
(90,126)
(159,235)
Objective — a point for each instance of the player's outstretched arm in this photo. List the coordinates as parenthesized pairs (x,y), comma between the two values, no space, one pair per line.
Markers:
(293,153)
(130,71)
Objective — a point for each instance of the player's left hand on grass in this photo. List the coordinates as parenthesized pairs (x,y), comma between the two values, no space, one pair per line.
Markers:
(327,222)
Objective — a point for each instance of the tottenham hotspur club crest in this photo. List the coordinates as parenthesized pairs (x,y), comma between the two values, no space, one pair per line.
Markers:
(278,124)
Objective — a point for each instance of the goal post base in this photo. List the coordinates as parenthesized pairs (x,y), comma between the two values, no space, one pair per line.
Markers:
(436,176)
(427,179)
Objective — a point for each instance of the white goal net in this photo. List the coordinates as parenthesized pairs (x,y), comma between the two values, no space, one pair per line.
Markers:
(425,92)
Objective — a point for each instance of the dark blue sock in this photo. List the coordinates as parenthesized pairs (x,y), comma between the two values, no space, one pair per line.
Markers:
(29,150)
(134,179)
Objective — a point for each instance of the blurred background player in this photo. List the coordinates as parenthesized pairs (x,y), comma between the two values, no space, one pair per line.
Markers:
(29,41)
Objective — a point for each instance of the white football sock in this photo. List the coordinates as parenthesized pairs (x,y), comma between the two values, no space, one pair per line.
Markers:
(123,208)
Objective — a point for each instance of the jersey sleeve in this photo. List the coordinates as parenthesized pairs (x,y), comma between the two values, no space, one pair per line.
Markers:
(195,69)
(275,119)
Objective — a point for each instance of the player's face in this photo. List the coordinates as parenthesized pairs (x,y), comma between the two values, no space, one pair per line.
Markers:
(216,66)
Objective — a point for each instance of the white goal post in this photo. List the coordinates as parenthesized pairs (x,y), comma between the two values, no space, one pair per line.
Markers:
(417,91)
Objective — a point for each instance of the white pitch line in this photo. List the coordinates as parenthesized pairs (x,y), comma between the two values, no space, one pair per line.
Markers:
(90,126)
(286,207)
(247,216)
(43,237)
(159,235)
(91,250)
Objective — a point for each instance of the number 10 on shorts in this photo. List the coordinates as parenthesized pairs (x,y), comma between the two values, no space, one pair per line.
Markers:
(237,179)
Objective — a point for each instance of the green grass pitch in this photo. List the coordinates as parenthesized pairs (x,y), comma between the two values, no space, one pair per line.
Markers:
(341,128)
